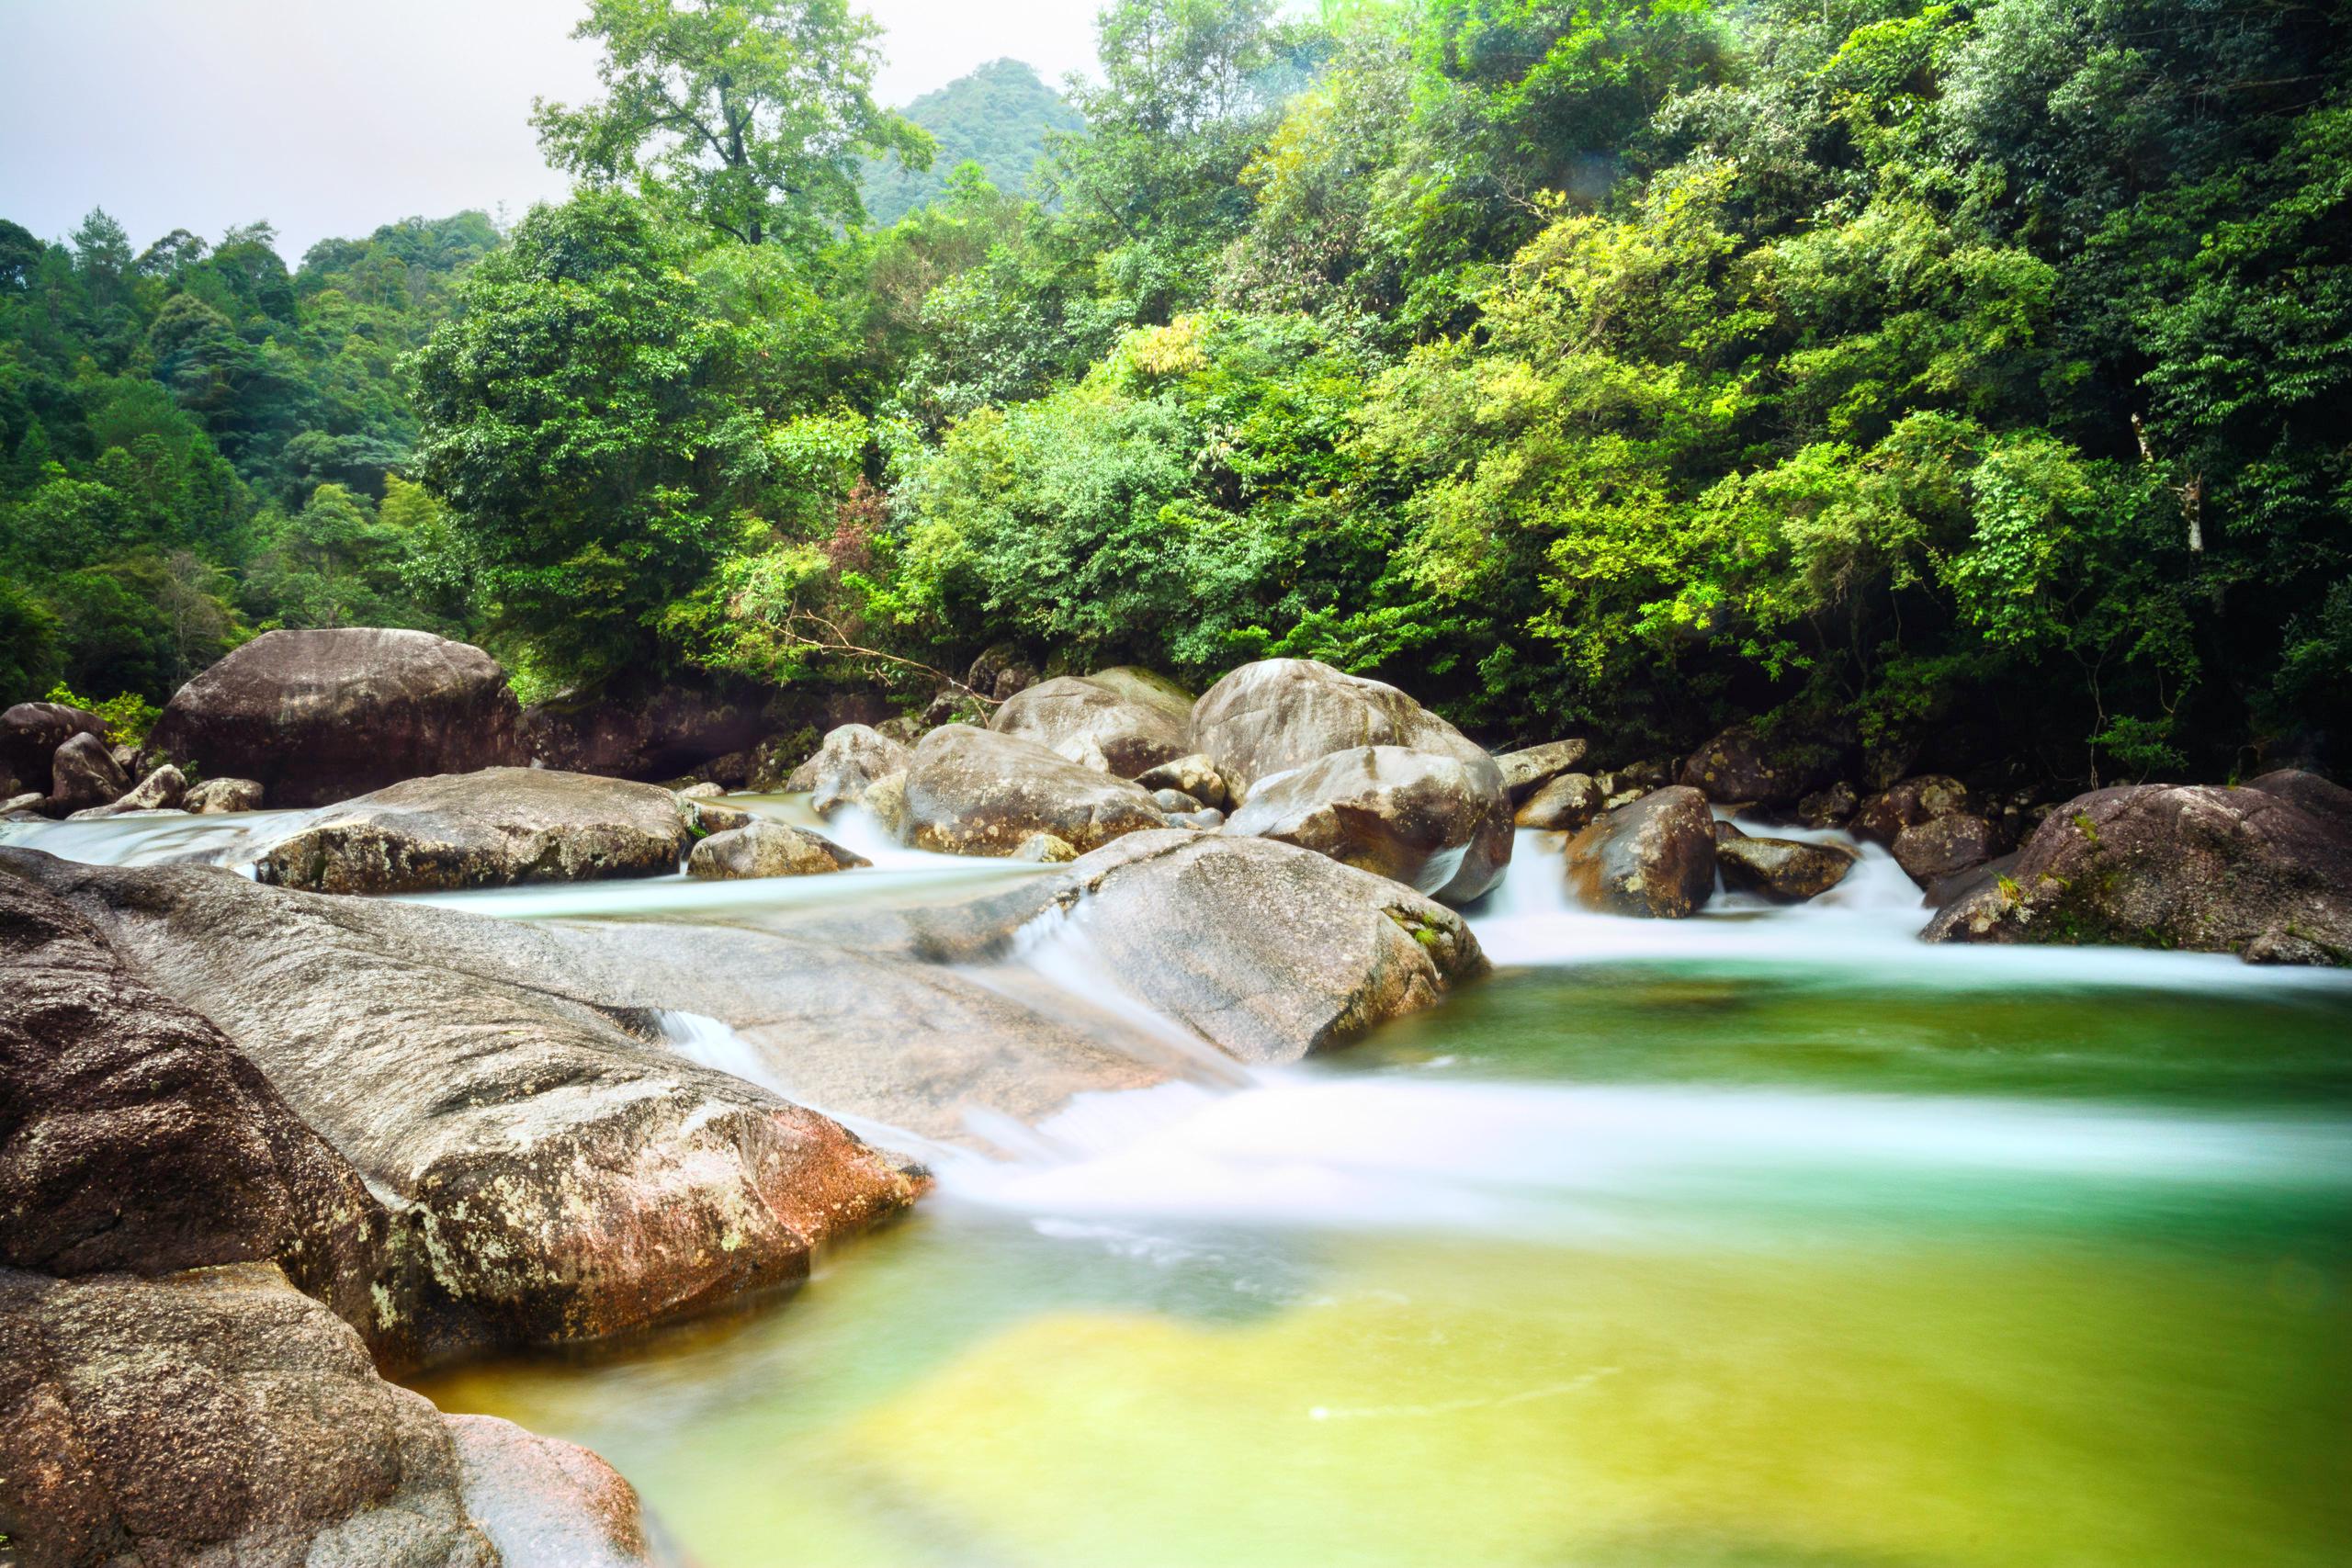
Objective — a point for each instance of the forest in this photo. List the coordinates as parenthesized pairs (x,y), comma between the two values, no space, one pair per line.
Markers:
(1971,382)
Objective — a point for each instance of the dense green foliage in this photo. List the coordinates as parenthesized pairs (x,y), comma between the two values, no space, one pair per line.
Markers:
(200,445)
(998,118)
(1971,380)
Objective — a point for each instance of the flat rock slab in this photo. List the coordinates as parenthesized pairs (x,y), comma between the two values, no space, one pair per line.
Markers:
(553,1171)
(491,829)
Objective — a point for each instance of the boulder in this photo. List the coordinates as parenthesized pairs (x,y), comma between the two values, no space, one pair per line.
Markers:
(906,728)
(1884,816)
(321,716)
(774,760)
(1174,800)
(1268,951)
(762,847)
(23,808)
(557,1173)
(83,775)
(490,828)
(1001,671)
(222,1416)
(1654,857)
(215,795)
(1784,870)
(718,816)
(1744,764)
(30,734)
(1195,774)
(850,759)
(1135,718)
(1529,769)
(638,730)
(2265,873)
(1083,749)
(1207,819)
(1945,846)
(1278,713)
(1431,821)
(1563,806)
(135,1138)
(699,792)
(981,792)
(163,790)
(885,800)
(1831,807)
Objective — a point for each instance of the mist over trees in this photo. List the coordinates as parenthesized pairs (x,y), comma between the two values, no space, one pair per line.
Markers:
(1970,378)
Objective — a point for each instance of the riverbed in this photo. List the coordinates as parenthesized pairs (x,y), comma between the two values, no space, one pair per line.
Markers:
(1770,1237)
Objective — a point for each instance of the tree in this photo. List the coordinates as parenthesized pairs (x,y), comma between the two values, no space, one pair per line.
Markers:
(585,423)
(750,115)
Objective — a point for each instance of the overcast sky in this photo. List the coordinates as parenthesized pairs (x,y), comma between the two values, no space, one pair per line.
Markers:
(329,116)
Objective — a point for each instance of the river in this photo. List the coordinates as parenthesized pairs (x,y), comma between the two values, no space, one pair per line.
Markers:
(1773,1239)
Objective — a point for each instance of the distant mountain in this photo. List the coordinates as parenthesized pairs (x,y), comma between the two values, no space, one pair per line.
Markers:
(997,117)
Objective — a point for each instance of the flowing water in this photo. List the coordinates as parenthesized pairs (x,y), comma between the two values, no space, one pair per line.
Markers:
(1773,1237)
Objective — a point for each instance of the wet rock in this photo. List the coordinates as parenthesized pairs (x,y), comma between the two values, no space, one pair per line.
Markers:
(768,849)
(1278,713)
(1135,719)
(885,800)
(1433,822)
(1831,807)
(1207,819)
(163,790)
(1635,779)
(1944,846)
(1528,771)
(321,716)
(557,1174)
(1726,833)
(2261,872)
(1174,800)
(134,1137)
(30,734)
(642,731)
(82,774)
(214,1416)
(544,1502)
(849,760)
(980,792)
(23,807)
(491,829)
(1654,857)
(1883,817)
(214,796)
(1563,806)
(1945,891)
(1195,774)
(1044,849)
(718,816)
(703,790)
(1268,951)
(1744,764)
(1784,870)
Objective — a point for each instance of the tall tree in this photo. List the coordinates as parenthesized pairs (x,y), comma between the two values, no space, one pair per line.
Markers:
(752,115)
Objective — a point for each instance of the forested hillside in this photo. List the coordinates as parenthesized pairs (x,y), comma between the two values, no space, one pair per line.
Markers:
(999,116)
(1972,380)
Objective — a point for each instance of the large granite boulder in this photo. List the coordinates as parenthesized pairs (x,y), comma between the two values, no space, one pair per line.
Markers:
(30,734)
(134,1137)
(215,796)
(643,731)
(845,765)
(762,848)
(491,829)
(1655,856)
(1786,870)
(321,716)
(1530,768)
(1431,821)
(1744,764)
(557,1172)
(1944,846)
(1565,804)
(1135,718)
(980,792)
(221,1416)
(1278,713)
(2264,871)
(83,774)
(163,789)
(1906,804)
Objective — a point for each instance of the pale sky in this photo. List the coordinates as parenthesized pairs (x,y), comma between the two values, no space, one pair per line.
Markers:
(329,116)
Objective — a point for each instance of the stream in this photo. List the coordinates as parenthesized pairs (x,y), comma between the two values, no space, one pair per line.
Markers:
(1773,1238)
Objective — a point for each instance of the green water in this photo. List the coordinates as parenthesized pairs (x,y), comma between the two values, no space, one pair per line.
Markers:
(1662,1262)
